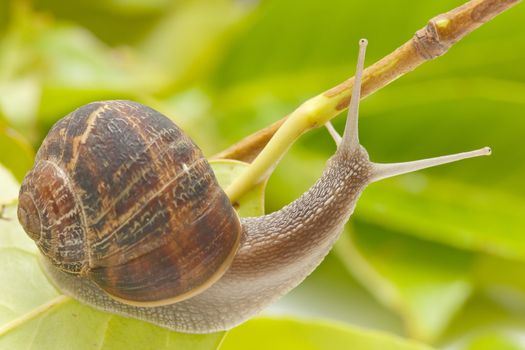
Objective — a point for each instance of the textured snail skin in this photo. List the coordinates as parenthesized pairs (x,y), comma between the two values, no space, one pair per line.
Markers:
(277,252)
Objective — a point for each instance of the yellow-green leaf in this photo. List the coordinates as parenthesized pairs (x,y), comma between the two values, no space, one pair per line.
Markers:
(252,203)
(424,282)
(457,214)
(8,187)
(287,334)
(487,322)
(67,324)
(15,152)
(494,340)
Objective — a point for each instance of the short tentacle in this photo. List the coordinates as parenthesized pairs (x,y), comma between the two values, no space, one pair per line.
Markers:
(331,130)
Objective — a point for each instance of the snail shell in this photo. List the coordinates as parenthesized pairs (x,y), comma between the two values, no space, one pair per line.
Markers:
(120,194)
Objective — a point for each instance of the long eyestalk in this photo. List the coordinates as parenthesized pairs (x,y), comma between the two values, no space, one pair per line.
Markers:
(350,140)
(383,171)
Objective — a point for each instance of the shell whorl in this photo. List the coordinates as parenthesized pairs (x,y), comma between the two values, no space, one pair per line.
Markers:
(155,226)
(52,217)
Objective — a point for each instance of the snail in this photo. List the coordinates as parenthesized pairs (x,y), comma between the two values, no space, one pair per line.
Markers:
(130,219)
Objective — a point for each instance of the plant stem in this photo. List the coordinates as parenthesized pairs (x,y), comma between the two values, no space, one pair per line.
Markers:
(267,146)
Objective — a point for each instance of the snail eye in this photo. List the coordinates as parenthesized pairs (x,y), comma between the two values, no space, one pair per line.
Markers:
(29,217)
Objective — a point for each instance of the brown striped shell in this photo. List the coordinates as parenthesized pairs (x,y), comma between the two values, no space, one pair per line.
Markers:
(120,194)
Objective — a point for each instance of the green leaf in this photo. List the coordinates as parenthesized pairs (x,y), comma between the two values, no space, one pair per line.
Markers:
(494,340)
(503,280)
(67,324)
(190,39)
(125,333)
(457,214)
(331,292)
(12,237)
(424,282)
(16,153)
(24,286)
(84,69)
(134,17)
(8,187)
(19,99)
(484,322)
(287,334)
(252,203)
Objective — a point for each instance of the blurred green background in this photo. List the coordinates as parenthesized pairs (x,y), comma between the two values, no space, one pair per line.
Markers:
(437,256)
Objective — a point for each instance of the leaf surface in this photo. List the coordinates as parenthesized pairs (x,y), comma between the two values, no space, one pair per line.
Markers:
(252,203)
(288,334)
(425,283)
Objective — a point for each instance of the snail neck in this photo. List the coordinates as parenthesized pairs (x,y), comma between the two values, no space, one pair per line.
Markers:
(285,246)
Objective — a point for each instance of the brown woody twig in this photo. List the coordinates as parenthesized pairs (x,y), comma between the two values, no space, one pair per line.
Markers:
(432,41)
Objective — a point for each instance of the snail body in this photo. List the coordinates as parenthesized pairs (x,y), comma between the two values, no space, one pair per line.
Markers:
(130,219)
